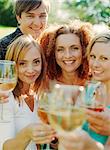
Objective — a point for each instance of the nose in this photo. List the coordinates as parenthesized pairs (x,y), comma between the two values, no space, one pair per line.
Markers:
(30,68)
(67,53)
(96,63)
(37,21)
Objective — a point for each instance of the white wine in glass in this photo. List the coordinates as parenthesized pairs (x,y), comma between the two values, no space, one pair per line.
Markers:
(8,80)
(43,106)
(66,112)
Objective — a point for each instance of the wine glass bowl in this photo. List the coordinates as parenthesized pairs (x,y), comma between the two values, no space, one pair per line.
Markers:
(8,80)
(43,107)
(95,95)
(66,111)
(8,76)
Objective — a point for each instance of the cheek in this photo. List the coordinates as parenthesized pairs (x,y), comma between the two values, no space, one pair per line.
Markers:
(79,57)
(58,56)
(44,22)
(58,59)
(106,68)
(90,63)
(38,69)
(20,71)
(27,21)
(20,74)
(77,54)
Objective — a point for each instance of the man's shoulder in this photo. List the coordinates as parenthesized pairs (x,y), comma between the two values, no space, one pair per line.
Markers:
(5,41)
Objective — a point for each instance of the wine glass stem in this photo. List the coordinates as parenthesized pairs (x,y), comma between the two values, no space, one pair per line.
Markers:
(1,111)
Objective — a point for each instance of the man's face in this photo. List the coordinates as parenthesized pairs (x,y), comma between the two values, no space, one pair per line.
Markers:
(34,21)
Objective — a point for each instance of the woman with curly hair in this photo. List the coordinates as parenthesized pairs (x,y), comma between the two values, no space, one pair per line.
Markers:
(65,47)
(65,51)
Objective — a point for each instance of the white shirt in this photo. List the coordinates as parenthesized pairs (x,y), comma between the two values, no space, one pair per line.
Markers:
(19,117)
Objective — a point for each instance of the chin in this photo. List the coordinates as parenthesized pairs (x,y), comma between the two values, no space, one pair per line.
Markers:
(31,82)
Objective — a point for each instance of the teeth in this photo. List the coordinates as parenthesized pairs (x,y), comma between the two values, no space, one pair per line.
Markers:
(69,62)
(97,72)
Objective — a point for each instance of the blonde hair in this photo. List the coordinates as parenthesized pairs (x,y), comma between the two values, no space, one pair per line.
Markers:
(16,51)
(100,38)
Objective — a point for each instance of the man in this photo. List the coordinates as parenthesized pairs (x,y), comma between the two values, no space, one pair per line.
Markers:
(32,16)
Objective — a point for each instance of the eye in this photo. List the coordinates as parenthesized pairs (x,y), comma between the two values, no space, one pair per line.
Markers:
(29,16)
(37,62)
(43,15)
(104,58)
(22,63)
(60,50)
(92,56)
(74,48)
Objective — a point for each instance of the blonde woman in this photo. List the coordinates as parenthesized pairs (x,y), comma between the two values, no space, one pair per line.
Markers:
(99,62)
(27,128)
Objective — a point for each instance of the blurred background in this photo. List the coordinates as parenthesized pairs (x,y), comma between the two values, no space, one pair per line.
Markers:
(94,11)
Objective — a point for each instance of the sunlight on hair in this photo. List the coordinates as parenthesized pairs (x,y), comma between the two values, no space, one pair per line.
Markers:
(100,28)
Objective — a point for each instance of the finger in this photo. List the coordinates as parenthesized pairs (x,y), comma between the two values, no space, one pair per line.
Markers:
(45,127)
(43,133)
(37,128)
(3,99)
(94,114)
(96,128)
(69,137)
(100,130)
(42,139)
(73,145)
(46,141)
(95,121)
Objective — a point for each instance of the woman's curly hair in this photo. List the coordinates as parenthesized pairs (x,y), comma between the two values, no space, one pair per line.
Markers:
(48,38)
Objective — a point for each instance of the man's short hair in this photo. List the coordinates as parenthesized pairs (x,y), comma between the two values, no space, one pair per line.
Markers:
(27,5)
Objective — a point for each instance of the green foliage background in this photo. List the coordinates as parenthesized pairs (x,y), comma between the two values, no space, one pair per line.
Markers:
(7,17)
(95,11)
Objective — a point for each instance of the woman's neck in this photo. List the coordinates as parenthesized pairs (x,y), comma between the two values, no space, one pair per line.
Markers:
(107,84)
(70,78)
(26,89)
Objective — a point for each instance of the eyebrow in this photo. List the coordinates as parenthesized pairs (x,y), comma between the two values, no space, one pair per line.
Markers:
(60,46)
(27,60)
(31,13)
(37,58)
(70,46)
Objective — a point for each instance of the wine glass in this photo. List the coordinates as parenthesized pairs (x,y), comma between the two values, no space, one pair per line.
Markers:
(8,79)
(43,106)
(65,110)
(95,95)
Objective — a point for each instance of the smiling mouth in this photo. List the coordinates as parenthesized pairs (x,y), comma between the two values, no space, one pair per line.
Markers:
(30,76)
(36,29)
(98,72)
(69,62)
